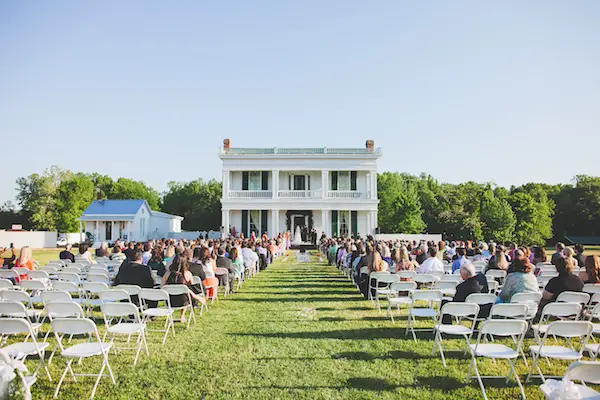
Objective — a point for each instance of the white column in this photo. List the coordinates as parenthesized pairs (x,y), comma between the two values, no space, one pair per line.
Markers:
(374,185)
(325,221)
(324,183)
(112,231)
(225,183)
(225,223)
(129,231)
(373,221)
(274,223)
(97,232)
(368,179)
(80,231)
(368,224)
(275,184)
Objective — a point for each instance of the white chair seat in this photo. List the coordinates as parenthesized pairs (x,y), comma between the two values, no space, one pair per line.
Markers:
(592,348)
(400,300)
(596,328)
(585,392)
(540,328)
(36,299)
(560,352)
(157,312)
(125,328)
(385,291)
(28,348)
(86,349)
(423,312)
(494,350)
(453,329)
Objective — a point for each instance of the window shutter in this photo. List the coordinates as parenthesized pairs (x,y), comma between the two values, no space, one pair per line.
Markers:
(265,180)
(308,183)
(289,182)
(264,227)
(245,222)
(352,180)
(334,180)
(245,180)
(354,223)
(334,223)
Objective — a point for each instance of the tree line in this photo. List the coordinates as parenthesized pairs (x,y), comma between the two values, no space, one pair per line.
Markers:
(529,214)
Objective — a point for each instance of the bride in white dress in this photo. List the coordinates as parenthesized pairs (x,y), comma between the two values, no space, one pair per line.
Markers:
(297,236)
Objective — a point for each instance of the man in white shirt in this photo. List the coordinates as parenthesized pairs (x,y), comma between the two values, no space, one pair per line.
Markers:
(432,263)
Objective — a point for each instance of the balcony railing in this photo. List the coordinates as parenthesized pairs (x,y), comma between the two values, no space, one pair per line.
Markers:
(345,194)
(250,194)
(300,150)
(299,194)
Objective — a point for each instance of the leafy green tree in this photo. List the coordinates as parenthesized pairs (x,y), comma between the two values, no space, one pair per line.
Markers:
(125,188)
(400,210)
(73,195)
(197,201)
(497,217)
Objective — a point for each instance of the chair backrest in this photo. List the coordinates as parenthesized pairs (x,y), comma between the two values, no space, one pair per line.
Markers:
(9,274)
(569,329)
(13,326)
(21,270)
(406,274)
(496,273)
(39,274)
(493,286)
(446,285)
(72,270)
(56,262)
(5,284)
(66,286)
(509,310)
(503,327)
(591,288)
(526,297)
(55,295)
(64,309)
(450,278)
(427,295)
(458,309)
(74,326)
(13,309)
(176,289)
(154,295)
(377,275)
(573,297)
(133,290)
(112,295)
(584,371)
(406,286)
(425,278)
(32,285)
(389,278)
(112,310)
(96,277)
(94,287)
(196,280)
(562,310)
(15,295)
(69,277)
(481,298)
(50,269)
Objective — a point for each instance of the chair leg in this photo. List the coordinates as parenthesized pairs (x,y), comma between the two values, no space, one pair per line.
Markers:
(62,377)
(438,341)
(512,367)
(98,380)
(479,380)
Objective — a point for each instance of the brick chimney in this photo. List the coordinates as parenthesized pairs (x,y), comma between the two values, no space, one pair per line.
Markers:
(370,146)
(226,145)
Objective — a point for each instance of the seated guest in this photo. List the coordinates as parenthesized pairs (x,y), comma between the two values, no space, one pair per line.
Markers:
(402,260)
(147,254)
(468,286)
(519,280)
(592,270)
(499,260)
(102,251)
(559,253)
(431,264)
(117,254)
(195,266)
(579,249)
(456,264)
(224,262)
(84,254)
(179,274)
(208,266)
(134,273)
(156,262)
(565,281)
(238,267)
(66,254)
(539,255)
(25,260)
(8,262)
(129,250)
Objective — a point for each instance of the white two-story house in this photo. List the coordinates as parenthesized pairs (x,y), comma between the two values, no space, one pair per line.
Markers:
(273,190)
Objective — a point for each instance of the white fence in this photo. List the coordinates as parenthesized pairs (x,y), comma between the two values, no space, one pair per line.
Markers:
(35,239)
(435,237)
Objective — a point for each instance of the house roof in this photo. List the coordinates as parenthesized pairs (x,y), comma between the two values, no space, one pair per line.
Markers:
(118,210)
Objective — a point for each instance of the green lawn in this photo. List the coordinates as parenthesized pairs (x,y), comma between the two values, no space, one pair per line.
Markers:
(295,331)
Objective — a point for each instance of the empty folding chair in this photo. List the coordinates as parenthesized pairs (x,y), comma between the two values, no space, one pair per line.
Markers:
(95,347)
(98,277)
(531,299)
(157,295)
(373,283)
(71,270)
(574,297)
(485,301)
(23,298)
(69,277)
(16,309)
(450,278)
(70,287)
(457,311)
(555,310)
(383,287)
(511,311)
(594,348)
(406,274)
(34,288)
(22,350)
(397,297)
(497,274)
(182,293)
(124,326)
(425,281)
(90,291)
(493,286)
(567,330)
(583,371)
(591,288)
(61,309)
(502,328)
(55,295)
(6,284)
(10,274)
(448,288)
(114,295)
(432,297)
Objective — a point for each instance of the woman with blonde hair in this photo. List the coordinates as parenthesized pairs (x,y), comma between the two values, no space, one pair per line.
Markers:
(25,260)
(403,261)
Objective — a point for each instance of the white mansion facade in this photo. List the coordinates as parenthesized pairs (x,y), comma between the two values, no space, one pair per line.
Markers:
(273,190)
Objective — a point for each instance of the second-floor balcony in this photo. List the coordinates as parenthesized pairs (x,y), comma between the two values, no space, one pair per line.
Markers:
(250,194)
(298,194)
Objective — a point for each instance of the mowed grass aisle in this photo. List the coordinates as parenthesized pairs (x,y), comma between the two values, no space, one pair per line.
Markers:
(297,331)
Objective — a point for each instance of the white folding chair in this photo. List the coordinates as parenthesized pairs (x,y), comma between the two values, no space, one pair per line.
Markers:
(511,311)
(431,297)
(157,295)
(16,309)
(497,274)
(55,295)
(397,288)
(9,274)
(387,280)
(493,286)
(98,277)
(114,295)
(425,281)
(594,348)
(531,299)
(73,277)
(583,371)
(39,275)
(543,280)
(71,287)
(405,274)
(90,292)
(448,288)
(61,309)
(591,288)
(124,311)
(450,278)
(22,350)
(565,329)
(555,310)
(23,298)
(373,285)
(34,288)
(71,270)
(81,326)
(574,297)
(503,328)
(182,290)
(481,299)
(196,281)
(457,311)
(6,284)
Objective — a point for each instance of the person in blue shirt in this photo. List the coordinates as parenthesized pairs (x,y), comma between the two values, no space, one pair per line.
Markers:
(460,252)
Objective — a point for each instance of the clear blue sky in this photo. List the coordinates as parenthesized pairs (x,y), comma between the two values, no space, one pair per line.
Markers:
(507,91)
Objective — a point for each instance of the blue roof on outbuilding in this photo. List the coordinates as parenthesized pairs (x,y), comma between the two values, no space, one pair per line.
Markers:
(114,207)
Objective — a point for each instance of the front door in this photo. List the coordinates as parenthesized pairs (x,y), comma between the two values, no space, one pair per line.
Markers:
(108,231)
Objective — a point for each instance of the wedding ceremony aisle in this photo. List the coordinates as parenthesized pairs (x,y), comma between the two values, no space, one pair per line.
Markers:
(295,331)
